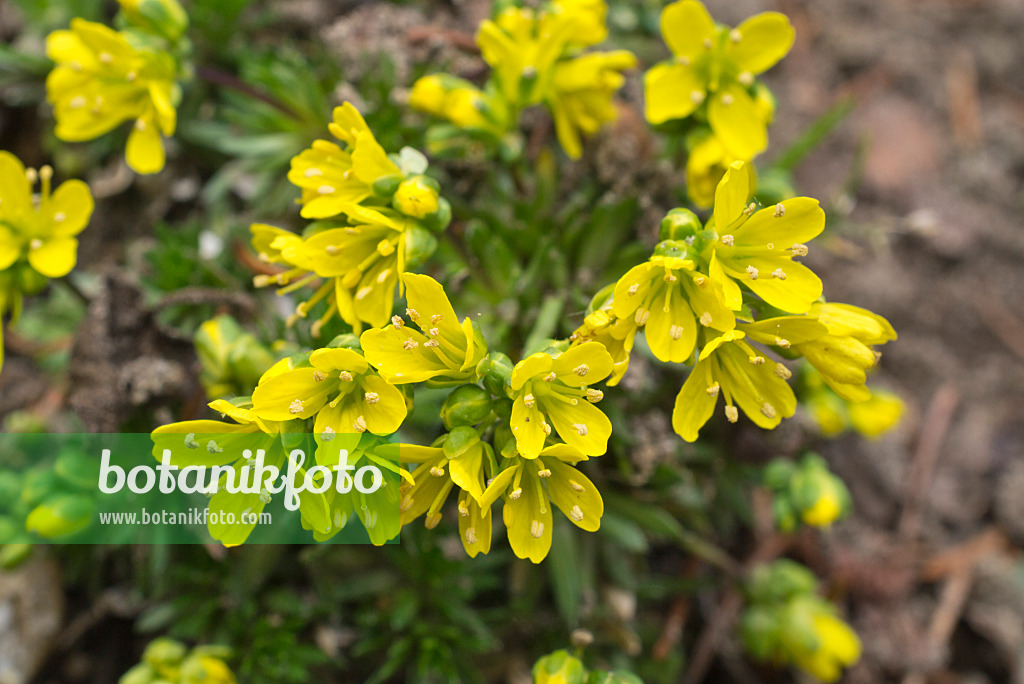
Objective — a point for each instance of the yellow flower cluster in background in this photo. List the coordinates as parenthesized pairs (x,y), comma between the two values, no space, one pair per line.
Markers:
(37,233)
(378,214)
(166,661)
(104,78)
(535,58)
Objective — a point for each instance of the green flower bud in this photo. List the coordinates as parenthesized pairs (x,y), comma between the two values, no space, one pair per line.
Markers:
(466,405)
(419,246)
(77,469)
(441,218)
(674,249)
(559,668)
(386,186)
(61,515)
(163,17)
(679,224)
(140,674)
(164,652)
(459,441)
(780,581)
(496,371)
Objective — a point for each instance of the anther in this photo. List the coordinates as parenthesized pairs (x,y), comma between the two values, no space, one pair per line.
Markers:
(432,344)
(140,125)
(436,318)
(782,342)
(131,76)
(701,282)
(106,57)
(746,78)
(433,332)
(537,529)
(727,99)
(705,319)
(319,376)
(550,377)
(576,486)
(332,250)
(752,207)
(641,316)
(372,398)
(783,372)
(545,427)
(432,521)
(515,494)
(707,43)
(697,96)
(768,410)
(313,172)
(77,102)
(576,514)
(675,332)
(406,504)
(683,59)
(752,272)
(735,35)
(470,535)
(581,429)
(359,424)
(713,390)
(325,189)
(529,400)
(413,314)
(35,244)
(328,434)
(581,369)
(727,240)
(437,472)
(544,473)
(410,344)
(780,211)
(345,376)
(594,396)
(670,278)
(779,273)
(633,289)
(799,250)
(295,407)
(463,509)
(397,322)
(756,360)
(59,217)
(731,414)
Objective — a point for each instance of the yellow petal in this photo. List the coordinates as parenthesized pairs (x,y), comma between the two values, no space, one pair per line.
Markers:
(231,506)
(145,153)
(764,39)
(475,528)
(795,294)
(671,334)
(275,398)
(575,495)
(583,426)
(339,360)
(694,405)
(734,118)
(731,197)
(847,320)
(801,219)
(348,123)
(15,193)
(10,250)
(624,303)
(387,415)
(73,204)
(369,160)
(731,294)
(385,350)
(374,298)
(427,297)
(672,91)
(527,426)
(54,258)
(590,358)
(467,471)
(528,519)
(876,415)
(530,367)
(686,25)
(793,329)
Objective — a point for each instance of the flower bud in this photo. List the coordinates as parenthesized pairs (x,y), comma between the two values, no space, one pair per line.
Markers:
(59,516)
(819,496)
(679,224)
(386,186)
(164,652)
(163,17)
(419,246)
(496,371)
(559,668)
(417,197)
(466,405)
(459,441)
(140,674)
(345,341)
(205,669)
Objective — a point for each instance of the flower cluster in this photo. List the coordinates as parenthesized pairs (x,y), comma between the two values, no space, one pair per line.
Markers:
(166,661)
(711,80)
(716,296)
(786,621)
(536,57)
(806,491)
(37,232)
(104,78)
(377,215)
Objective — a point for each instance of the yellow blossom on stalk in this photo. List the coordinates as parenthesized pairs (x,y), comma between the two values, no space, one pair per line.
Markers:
(360,264)
(844,355)
(581,95)
(877,414)
(37,234)
(459,101)
(443,350)
(529,487)
(669,298)
(834,647)
(102,80)
(339,387)
(555,388)
(714,67)
(589,17)
(871,417)
(756,247)
(614,334)
(730,367)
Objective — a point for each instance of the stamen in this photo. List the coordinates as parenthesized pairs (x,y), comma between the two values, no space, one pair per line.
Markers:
(385,248)
(319,376)
(413,314)
(697,96)
(313,172)
(727,240)
(799,250)
(735,35)
(470,535)
(550,377)
(328,434)
(463,509)
(581,429)
(752,207)
(437,472)
(333,250)
(780,211)
(576,486)
(59,217)
(35,244)
(545,427)
(707,43)
(372,398)
(345,376)
(432,521)
(779,273)
(768,410)
(77,102)
(106,57)
(515,494)
(684,60)
(576,514)
(581,369)
(295,407)
(594,396)
(705,319)
(433,332)
(727,99)
(397,322)
(752,272)
(436,318)
(782,342)
(701,282)
(675,332)
(131,76)
(529,400)
(431,343)
(406,504)
(544,473)
(670,278)
(359,424)
(325,190)
(633,289)
(713,390)
(731,414)
(537,529)
(641,316)
(363,292)
(746,78)
(410,344)
(140,125)
(757,360)
(783,372)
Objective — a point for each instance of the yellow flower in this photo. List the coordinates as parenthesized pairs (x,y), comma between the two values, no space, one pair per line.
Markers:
(836,646)
(332,177)
(708,161)
(101,80)
(457,100)
(416,197)
(756,248)
(876,415)
(589,17)
(161,17)
(530,486)
(668,297)
(445,351)
(714,67)
(546,387)
(729,366)
(339,387)
(37,236)
(844,355)
(205,669)
(581,95)
(614,334)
